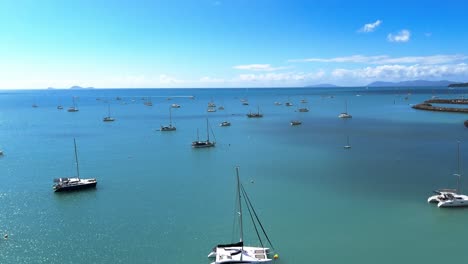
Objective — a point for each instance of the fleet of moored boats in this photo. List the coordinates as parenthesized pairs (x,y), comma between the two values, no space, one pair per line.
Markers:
(238,252)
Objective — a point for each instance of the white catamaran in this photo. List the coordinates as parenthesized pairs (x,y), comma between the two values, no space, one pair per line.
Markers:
(450,197)
(236,253)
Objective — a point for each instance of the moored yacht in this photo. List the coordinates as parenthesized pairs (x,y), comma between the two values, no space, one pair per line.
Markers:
(204,144)
(175,106)
(108,118)
(303,110)
(345,113)
(170,127)
(255,115)
(450,197)
(225,124)
(73,108)
(74,183)
(237,253)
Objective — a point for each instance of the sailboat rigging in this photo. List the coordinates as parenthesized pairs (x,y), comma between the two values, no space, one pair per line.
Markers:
(237,252)
(207,143)
(108,118)
(170,127)
(73,108)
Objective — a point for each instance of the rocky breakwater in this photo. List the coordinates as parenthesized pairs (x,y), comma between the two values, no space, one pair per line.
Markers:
(427,105)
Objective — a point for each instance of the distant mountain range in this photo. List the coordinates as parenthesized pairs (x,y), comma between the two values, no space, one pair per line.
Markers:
(416,83)
(322,85)
(76,87)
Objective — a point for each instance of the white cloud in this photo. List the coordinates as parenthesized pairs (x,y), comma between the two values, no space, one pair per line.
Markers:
(258,67)
(402,36)
(385,59)
(402,72)
(207,79)
(293,77)
(370,27)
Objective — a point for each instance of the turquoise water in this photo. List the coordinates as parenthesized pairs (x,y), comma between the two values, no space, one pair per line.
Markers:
(160,201)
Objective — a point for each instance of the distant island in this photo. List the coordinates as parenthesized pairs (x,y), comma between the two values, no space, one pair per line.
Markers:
(458,84)
(76,87)
(322,85)
(415,83)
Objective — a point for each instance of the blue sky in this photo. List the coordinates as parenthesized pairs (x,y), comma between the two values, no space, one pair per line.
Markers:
(236,43)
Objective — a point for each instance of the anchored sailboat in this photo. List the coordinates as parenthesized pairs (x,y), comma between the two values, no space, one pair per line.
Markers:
(73,108)
(108,118)
(237,252)
(347,146)
(345,113)
(255,115)
(170,127)
(204,144)
(75,183)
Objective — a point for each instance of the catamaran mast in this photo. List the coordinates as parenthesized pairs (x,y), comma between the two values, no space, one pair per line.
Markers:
(240,205)
(76,160)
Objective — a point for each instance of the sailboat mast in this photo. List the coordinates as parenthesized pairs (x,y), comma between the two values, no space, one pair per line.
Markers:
(240,205)
(76,160)
(108,110)
(346,106)
(170,117)
(207,131)
(458,168)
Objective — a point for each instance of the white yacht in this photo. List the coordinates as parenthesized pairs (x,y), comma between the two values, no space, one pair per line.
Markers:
(237,253)
(450,197)
(345,113)
(225,124)
(211,109)
(175,106)
(278,103)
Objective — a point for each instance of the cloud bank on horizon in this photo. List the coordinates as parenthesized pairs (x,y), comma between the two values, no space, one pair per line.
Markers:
(229,44)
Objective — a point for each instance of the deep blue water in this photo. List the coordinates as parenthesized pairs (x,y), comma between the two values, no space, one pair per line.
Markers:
(160,201)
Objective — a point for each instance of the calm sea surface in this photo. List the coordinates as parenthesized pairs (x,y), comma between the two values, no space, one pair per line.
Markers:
(160,201)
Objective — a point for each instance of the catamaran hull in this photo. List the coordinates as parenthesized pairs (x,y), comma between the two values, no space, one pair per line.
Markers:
(237,255)
(76,187)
